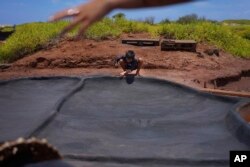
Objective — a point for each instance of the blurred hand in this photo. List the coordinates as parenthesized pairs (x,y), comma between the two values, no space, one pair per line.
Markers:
(123,74)
(128,71)
(86,14)
(83,15)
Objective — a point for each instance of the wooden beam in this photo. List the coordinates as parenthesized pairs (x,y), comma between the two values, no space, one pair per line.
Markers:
(227,93)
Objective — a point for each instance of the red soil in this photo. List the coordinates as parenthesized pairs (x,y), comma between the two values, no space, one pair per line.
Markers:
(89,57)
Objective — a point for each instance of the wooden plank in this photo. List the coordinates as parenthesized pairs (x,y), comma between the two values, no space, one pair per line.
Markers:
(179,41)
(227,93)
(142,42)
(188,45)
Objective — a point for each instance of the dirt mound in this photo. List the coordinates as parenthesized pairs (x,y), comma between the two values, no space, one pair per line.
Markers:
(97,57)
(235,82)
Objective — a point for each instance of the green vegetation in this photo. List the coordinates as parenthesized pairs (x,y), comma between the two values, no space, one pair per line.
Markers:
(221,36)
(119,15)
(240,22)
(27,38)
(242,30)
(30,37)
(240,27)
(6,29)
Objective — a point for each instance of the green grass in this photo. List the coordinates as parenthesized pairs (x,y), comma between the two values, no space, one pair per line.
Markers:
(240,27)
(103,30)
(29,37)
(241,30)
(6,29)
(240,22)
(215,34)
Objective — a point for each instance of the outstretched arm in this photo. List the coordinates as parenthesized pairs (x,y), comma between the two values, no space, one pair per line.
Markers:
(86,14)
(128,4)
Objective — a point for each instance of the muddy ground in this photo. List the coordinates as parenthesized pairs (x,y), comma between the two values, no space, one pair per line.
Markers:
(89,57)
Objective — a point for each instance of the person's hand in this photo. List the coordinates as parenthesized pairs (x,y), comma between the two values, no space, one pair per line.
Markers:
(128,71)
(123,74)
(83,15)
(87,14)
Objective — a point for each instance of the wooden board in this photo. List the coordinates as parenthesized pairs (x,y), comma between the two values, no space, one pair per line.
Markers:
(187,45)
(142,42)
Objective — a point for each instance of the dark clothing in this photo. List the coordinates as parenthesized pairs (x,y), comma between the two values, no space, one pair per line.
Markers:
(129,65)
(132,65)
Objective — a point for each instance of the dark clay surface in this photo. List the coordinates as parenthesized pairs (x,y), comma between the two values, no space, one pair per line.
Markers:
(110,122)
(26,104)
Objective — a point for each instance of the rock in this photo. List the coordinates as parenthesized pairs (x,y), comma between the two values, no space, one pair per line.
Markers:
(5,66)
(217,52)
(32,64)
(212,52)
(40,59)
(200,55)
(209,52)
(91,45)
(196,81)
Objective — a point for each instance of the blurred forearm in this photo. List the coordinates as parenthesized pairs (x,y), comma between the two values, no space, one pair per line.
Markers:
(128,4)
(87,14)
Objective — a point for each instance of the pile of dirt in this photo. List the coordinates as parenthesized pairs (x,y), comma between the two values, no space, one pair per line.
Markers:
(86,57)
(238,82)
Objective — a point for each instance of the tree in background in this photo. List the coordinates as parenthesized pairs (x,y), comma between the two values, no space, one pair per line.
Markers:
(150,20)
(191,18)
(165,21)
(119,16)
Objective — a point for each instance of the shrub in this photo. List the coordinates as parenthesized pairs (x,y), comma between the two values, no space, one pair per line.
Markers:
(188,19)
(165,21)
(149,20)
(119,15)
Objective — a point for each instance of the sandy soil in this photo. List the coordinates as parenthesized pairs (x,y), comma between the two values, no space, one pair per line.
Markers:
(88,57)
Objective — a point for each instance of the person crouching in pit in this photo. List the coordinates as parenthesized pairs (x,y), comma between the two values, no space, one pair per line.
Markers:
(130,64)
